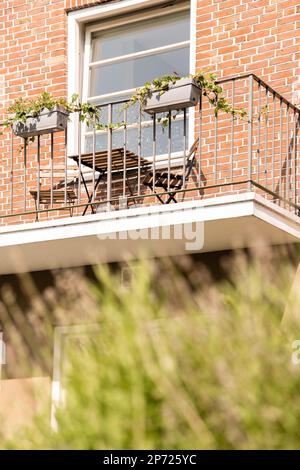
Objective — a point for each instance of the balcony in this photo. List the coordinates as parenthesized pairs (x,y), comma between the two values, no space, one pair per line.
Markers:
(241,179)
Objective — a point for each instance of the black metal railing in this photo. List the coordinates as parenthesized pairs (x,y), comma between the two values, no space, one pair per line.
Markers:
(137,159)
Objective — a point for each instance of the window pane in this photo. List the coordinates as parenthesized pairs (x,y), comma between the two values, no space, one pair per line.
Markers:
(119,115)
(144,35)
(146,141)
(129,74)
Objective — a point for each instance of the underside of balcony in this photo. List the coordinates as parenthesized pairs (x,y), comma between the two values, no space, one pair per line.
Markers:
(214,224)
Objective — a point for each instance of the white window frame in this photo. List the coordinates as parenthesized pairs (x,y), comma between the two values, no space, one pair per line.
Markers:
(60,335)
(78,48)
(115,23)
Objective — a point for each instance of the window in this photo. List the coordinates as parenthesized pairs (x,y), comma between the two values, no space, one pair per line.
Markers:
(126,57)
(124,53)
(67,339)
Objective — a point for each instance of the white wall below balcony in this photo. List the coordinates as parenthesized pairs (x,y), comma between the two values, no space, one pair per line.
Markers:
(227,222)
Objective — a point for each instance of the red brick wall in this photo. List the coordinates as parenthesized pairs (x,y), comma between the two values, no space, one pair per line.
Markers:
(260,36)
(233,36)
(76,4)
(33,59)
(33,47)
(263,37)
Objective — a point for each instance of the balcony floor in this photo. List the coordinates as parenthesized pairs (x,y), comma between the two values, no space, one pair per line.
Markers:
(227,222)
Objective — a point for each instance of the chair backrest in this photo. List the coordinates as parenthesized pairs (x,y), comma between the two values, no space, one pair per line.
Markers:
(192,150)
(58,171)
(190,158)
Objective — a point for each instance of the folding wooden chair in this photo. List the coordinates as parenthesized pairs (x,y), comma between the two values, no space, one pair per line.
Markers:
(171,181)
(58,194)
(58,197)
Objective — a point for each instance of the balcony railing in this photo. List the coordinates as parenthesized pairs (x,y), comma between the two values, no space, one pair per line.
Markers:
(143,160)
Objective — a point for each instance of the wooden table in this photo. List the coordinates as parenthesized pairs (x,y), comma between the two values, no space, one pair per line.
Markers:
(120,162)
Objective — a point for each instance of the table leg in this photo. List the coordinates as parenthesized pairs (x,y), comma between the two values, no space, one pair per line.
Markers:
(87,193)
(90,196)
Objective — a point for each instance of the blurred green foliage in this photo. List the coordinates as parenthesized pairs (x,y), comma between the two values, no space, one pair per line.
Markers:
(177,361)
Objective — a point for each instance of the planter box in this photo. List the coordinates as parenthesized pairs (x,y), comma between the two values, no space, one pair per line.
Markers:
(46,123)
(182,94)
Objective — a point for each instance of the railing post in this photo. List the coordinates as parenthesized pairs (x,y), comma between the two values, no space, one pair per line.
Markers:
(25,173)
(273,142)
(66,167)
(52,168)
(200,141)
(296,166)
(79,157)
(266,136)
(280,149)
(295,158)
(38,175)
(216,147)
(124,154)
(154,151)
(250,131)
(94,162)
(139,149)
(184,147)
(232,130)
(258,152)
(169,147)
(109,155)
(287,166)
(12,173)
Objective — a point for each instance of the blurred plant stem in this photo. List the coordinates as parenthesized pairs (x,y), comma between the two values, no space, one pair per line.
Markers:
(177,361)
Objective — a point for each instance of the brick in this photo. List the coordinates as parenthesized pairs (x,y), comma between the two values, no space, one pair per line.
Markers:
(233,36)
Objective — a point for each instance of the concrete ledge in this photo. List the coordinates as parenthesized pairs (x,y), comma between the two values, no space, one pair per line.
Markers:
(231,221)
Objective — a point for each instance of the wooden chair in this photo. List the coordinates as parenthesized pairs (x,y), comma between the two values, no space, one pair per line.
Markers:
(57,194)
(171,181)
(58,197)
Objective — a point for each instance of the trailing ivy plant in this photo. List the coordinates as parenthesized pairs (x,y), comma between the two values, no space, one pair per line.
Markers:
(89,114)
(23,109)
(207,82)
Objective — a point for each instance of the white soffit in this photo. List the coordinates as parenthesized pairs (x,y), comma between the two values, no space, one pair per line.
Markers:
(229,222)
